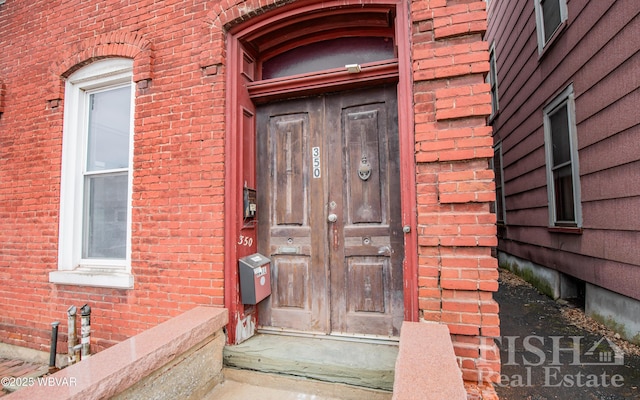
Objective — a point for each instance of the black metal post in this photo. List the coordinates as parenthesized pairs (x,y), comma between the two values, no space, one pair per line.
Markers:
(54,345)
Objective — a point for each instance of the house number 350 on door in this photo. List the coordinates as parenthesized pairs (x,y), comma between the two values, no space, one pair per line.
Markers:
(315,158)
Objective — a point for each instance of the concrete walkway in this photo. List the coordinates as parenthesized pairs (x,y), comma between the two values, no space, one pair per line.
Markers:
(15,372)
(243,385)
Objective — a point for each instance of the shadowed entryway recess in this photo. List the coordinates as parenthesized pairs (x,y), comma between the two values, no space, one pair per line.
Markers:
(329,151)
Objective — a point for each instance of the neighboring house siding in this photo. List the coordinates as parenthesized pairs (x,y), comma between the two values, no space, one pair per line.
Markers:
(598,52)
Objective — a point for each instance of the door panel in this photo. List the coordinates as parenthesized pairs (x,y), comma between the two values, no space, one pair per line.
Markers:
(289,207)
(289,132)
(362,165)
(367,243)
(365,283)
(329,213)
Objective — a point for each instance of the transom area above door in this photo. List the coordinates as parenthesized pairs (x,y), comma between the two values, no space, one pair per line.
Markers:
(308,54)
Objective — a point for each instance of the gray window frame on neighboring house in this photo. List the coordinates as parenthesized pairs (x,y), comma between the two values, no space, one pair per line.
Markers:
(499,207)
(492,80)
(547,33)
(563,146)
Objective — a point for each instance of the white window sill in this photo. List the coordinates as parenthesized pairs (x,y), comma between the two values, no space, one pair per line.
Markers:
(88,277)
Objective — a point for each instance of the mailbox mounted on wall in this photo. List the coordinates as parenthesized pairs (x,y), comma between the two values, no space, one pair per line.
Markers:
(255,278)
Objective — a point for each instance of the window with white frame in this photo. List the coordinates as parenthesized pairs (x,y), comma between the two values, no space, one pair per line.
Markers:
(492,80)
(97,150)
(550,14)
(563,181)
(496,164)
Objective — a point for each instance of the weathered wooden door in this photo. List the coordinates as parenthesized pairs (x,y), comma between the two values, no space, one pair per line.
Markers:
(329,213)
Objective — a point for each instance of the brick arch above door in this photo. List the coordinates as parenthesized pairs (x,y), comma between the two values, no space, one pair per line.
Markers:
(233,17)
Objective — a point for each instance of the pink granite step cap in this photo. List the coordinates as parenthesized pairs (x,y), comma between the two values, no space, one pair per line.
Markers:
(117,368)
(426,368)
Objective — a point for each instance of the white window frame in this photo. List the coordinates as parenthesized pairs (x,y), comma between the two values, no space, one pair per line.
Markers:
(492,80)
(542,42)
(566,97)
(72,268)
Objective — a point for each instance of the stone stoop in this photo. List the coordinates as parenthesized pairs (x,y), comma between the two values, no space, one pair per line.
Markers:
(427,368)
(367,365)
(245,384)
(422,367)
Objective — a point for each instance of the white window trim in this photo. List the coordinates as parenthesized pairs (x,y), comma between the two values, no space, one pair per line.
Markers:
(72,269)
(540,23)
(567,96)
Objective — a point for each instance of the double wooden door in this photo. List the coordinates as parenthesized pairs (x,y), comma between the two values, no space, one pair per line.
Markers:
(329,213)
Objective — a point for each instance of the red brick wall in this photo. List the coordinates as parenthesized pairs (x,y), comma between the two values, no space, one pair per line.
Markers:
(178,164)
(178,188)
(457,273)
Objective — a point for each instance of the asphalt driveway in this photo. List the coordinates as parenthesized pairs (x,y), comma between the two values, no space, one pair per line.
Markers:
(544,356)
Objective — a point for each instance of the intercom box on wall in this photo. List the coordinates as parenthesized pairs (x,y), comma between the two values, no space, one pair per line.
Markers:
(249,203)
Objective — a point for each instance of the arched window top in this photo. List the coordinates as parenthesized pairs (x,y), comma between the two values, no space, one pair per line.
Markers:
(107,69)
(328,54)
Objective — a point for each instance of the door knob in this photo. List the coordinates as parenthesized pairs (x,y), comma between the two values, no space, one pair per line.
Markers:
(332,218)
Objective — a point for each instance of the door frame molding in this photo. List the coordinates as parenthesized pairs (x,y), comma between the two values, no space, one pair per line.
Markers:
(240,150)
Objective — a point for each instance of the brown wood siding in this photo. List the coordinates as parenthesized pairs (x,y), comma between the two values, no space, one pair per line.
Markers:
(598,52)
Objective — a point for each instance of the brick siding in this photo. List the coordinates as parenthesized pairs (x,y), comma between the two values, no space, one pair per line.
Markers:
(457,274)
(178,184)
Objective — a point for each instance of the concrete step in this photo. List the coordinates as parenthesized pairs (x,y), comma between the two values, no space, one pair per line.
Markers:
(355,363)
(245,384)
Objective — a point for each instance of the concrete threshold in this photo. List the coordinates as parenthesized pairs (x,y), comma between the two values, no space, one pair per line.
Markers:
(367,365)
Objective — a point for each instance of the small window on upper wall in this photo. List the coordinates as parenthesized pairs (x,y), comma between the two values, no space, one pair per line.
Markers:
(550,14)
(561,145)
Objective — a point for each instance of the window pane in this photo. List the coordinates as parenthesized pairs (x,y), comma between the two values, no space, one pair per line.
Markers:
(560,136)
(563,185)
(497,167)
(109,129)
(551,15)
(105,216)
(493,81)
(334,53)
(499,206)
